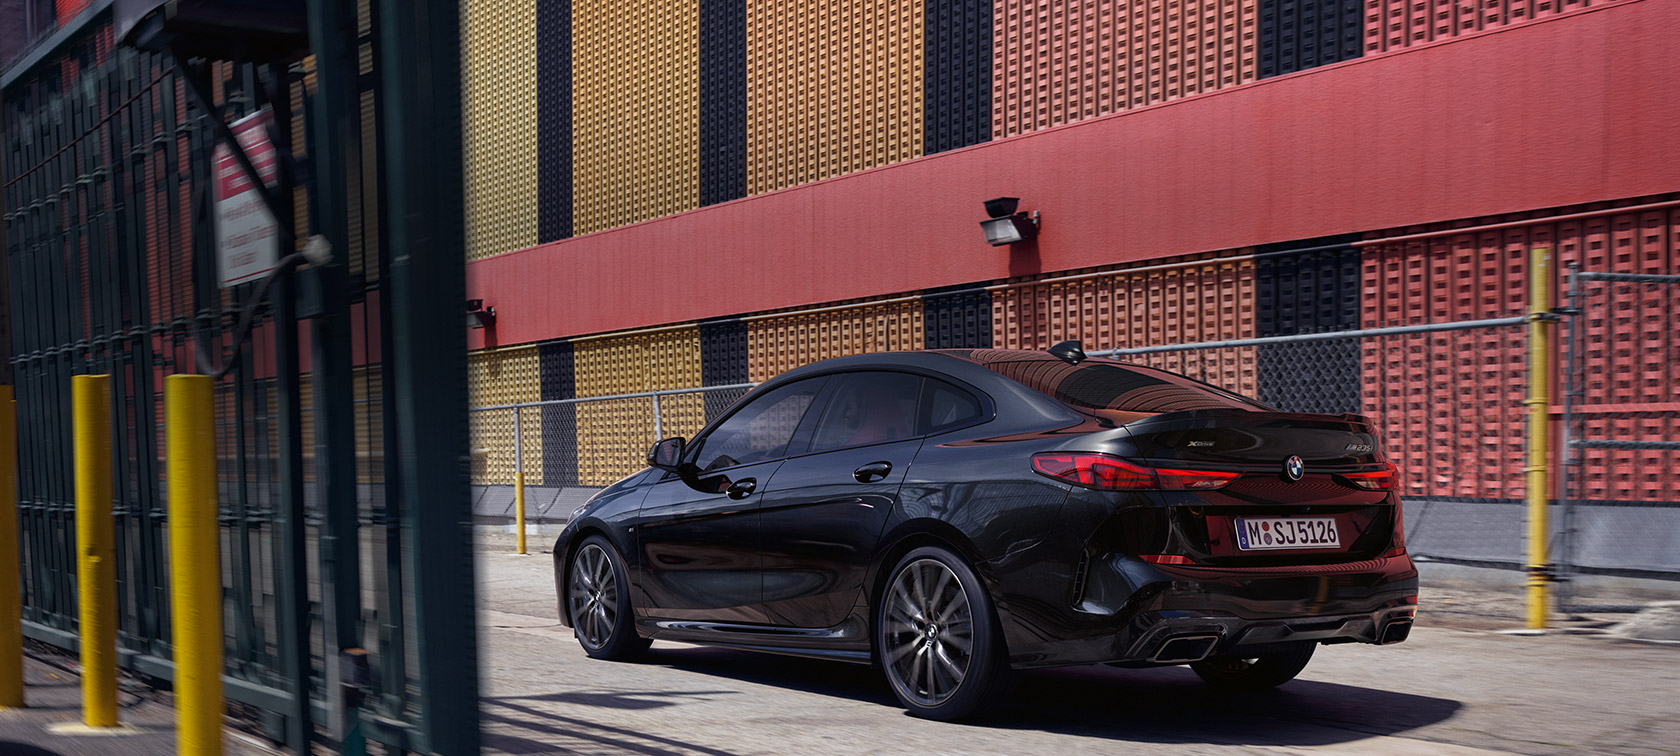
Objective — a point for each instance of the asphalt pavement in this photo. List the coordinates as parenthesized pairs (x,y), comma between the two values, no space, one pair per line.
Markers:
(1458,687)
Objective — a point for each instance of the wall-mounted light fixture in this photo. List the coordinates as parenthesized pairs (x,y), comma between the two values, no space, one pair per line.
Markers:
(479,316)
(1005,226)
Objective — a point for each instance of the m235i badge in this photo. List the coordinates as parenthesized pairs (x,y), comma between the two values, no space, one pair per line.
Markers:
(1359,448)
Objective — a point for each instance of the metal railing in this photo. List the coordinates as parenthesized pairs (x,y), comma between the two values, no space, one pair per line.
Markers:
(1424,386)
(1620,478)
(561,450)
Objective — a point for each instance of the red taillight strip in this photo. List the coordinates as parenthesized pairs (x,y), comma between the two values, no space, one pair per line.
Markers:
(1110,473)
(1375,480)
(1166,559)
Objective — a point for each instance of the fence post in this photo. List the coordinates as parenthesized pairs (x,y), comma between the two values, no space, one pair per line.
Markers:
(195,564)
(96,582)
(1539,426)
(11,606)
(518,482)
(658,427)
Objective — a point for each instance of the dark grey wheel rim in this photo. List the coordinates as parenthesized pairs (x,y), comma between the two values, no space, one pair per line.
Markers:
(929,632)
(594,596)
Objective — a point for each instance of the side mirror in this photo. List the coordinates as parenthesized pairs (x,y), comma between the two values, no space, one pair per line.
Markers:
(666,454)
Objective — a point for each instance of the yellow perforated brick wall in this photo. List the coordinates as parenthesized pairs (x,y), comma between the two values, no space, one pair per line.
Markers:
(614,436)
(777,345)
(508,376)
(833,86)
(499,124)
(635,111)
(1209,302)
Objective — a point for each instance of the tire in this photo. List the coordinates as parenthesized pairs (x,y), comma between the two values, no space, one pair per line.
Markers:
(937,637)
(598,604)
(1255,673)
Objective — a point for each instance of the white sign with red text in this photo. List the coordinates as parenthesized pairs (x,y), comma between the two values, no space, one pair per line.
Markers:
(247,236)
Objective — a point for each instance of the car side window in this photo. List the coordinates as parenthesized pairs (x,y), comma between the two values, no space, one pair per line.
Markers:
(946,406)
(760,430)
(869,408)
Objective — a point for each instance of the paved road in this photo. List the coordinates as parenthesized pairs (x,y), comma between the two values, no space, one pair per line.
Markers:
(1449,691)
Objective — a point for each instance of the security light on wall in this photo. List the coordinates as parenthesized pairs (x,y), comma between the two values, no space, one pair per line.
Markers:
(479,316)
(1006,226)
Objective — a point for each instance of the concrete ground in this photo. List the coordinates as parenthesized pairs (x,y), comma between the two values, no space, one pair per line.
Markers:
(49,724)
(1459,687)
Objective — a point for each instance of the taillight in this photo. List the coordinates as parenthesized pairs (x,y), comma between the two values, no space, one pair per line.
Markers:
(1165,559)
(1193,480)
(1376,480)
(1111,473)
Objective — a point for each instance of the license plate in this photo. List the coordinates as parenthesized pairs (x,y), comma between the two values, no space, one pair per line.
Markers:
(1260,533)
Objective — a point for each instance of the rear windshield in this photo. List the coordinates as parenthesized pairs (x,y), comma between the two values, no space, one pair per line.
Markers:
(1094,385)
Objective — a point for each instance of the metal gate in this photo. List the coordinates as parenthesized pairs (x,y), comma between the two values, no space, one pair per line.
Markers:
(1620,482)
(109,251)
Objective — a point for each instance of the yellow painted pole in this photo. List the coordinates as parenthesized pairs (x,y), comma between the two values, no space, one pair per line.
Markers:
(519,509)
(1539,428)
(11,604)
(195,563)
(518,482)
(96,578)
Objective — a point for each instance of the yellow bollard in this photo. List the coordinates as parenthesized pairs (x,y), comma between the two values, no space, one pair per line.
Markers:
(1539,427)
(519,509)
(11,604)
(96,579)
(195,563)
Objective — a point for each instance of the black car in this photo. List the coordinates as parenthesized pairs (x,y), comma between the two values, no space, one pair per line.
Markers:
(955,515)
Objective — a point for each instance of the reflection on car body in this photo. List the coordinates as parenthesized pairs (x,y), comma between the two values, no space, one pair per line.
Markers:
(955,515)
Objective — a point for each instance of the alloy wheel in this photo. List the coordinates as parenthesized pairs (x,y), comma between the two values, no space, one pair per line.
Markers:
(929,631)
(594,596)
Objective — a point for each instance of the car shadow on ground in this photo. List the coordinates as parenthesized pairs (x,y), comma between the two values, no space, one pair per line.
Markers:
(1161,705)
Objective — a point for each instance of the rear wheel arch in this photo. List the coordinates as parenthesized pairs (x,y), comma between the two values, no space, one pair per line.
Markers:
(912,535)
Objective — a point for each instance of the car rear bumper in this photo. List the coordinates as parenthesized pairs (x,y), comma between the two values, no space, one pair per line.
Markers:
(1227,611)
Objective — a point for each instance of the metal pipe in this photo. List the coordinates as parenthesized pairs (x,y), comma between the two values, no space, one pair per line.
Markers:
(11,603)
(1326,336)
(639,395)
(1539,426)
(1567,433)
(96,577)
(1651,445)
(518,482)
(1649,278)
(195,563)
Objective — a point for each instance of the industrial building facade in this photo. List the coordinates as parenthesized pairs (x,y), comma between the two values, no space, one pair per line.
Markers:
(694,192)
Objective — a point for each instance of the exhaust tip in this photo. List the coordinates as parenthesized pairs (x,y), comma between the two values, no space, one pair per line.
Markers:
(1395,632)
(1185,648)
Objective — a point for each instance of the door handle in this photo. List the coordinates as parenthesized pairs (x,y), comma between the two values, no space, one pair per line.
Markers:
(741,489)
(872,472)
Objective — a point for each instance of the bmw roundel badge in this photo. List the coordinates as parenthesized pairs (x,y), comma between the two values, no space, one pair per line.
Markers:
(1293,468)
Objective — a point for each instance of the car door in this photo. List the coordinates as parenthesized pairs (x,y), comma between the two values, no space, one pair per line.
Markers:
(829,505)
(700,549)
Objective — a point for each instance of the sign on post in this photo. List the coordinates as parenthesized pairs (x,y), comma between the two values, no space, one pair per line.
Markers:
(247,235)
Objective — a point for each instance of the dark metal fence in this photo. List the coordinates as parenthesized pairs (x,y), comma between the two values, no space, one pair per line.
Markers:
(111,270)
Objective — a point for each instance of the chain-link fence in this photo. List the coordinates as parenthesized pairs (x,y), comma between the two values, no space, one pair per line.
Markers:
(1620,481)
(1447,400)
(567,449)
